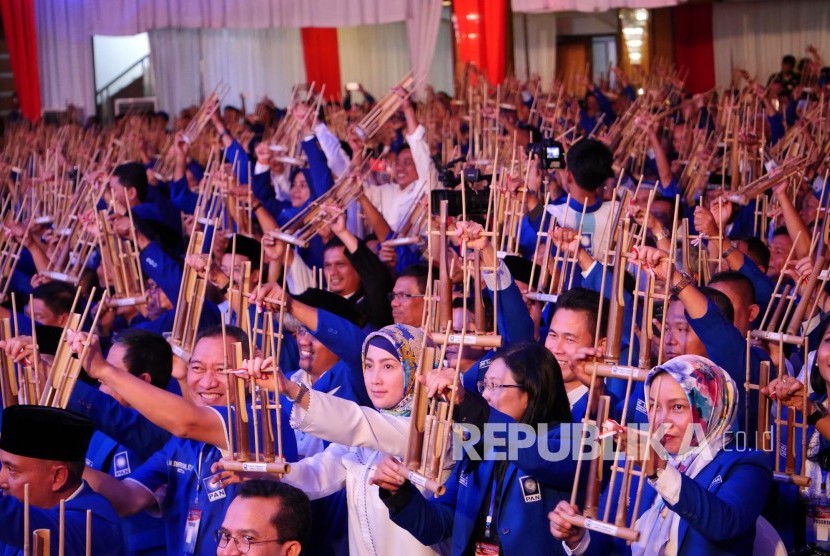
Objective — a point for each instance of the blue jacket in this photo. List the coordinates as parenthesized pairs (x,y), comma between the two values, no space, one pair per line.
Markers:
(123,424)
(727,348)
(530,489)
(345,340)
(107,536)
(184,468)
(718,508)
(516,329)
(144,533)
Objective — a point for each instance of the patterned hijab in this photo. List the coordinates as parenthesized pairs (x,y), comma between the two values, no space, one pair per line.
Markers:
(406,341)
(712,396)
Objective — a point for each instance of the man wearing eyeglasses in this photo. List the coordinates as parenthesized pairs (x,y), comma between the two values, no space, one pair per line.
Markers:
(407,297)
(266,518)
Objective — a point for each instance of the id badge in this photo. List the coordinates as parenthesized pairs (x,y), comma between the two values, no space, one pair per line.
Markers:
(191,529)
(486,549)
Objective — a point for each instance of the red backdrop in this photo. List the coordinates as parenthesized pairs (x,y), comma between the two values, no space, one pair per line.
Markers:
(19,27)
(322,59)
(693,47)
(481,34)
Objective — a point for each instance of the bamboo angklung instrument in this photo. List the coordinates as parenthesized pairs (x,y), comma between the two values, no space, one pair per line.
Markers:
(167,159)
(263,423)
(122,265)
(10,246)
(9,390)
(66,367)
(73,250)
(193,286)
(643,297)
(782,326)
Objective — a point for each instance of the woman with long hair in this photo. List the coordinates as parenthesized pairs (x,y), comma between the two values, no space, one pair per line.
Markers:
(496,503)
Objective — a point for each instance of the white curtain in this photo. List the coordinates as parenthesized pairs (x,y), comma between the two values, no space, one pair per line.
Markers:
(422,33)
(378,59)
(375,55)
(189,63)
(531,6)
(175,56)
(254,62)
(128,17)
(534,51)
(64,55)
(754,36)
(441,71)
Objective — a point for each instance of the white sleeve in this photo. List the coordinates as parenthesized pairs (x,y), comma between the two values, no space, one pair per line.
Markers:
(668,485)
(579,549)
(337,158)
(300,277)
(419,148)
(321,474)
(498,280)
(344,422)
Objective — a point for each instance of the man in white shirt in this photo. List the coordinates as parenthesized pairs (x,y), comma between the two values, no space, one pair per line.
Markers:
(413,171)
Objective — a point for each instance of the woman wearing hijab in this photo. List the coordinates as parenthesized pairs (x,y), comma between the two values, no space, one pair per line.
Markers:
(702,497)
(358,434)
(498,505)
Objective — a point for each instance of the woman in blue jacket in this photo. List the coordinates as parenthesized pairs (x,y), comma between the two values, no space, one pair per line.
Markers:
(701,497)
(498,504)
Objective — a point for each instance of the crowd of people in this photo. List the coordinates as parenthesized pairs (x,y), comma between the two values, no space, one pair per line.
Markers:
(652,232)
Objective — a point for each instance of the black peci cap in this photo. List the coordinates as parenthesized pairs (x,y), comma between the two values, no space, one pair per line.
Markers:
(48,433)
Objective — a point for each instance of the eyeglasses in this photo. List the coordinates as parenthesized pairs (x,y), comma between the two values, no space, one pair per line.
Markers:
(243,544)
(392,296)
(483,385)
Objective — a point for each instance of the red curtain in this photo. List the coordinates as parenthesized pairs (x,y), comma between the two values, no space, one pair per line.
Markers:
(19,27)
(481,31)
(693,46)
(322,59)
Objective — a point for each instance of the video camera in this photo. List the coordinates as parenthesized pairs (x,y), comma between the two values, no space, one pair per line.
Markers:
(477,199)
(551,153)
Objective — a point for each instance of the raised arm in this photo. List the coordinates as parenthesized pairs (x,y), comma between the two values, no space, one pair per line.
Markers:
(173,413)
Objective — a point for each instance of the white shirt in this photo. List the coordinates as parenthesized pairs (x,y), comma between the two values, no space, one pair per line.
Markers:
(370,434)
(395,203)
(596,227)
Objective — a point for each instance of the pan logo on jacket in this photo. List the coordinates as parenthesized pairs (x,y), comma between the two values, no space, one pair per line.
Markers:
(530,489)
(121,464)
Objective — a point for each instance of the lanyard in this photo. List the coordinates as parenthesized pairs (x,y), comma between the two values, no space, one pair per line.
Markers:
(488,521)
(199,471)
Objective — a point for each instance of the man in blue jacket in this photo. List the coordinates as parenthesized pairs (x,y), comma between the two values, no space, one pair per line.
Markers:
(43,448)
(149,357)
(178,480)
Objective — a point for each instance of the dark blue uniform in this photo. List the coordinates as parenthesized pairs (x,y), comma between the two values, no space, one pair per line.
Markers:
(144,533)
(107,536)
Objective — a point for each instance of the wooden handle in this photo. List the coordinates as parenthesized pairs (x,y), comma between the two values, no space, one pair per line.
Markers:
(419,480)
(271,467)
(625,533)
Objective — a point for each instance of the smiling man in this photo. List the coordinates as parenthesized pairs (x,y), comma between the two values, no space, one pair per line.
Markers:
(178,480)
